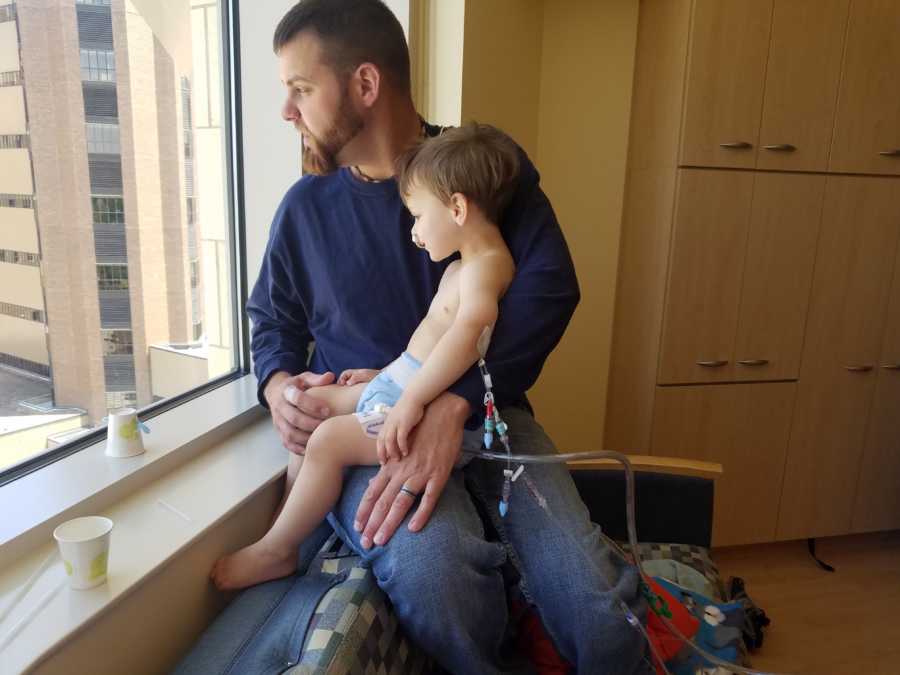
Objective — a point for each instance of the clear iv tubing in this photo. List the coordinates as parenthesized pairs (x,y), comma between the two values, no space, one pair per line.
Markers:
(632,533)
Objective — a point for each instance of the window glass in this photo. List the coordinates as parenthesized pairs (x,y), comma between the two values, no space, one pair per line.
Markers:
(116,287)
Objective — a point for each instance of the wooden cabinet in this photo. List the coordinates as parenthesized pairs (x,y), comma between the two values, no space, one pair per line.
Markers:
(740,273)
(854,269)
(802,76)
(778,273)
(709,240)
(867,124)
(724,84)
(767,264)
(877,505)
(743,426)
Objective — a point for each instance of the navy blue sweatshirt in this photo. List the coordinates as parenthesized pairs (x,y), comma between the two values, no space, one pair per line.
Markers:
(340,270)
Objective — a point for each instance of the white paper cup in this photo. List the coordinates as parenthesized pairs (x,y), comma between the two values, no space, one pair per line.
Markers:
(84,548)
(123,434)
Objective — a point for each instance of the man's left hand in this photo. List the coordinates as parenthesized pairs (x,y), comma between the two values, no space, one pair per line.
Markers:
(436,444)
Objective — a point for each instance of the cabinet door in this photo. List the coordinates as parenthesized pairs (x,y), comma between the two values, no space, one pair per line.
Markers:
(802,78)
(706,263)
(878,491)
(781,251)
(724,88)
(745,427)
(854,266)
(867,124)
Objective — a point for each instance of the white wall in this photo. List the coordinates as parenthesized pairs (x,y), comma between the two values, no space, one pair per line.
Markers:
(271,156)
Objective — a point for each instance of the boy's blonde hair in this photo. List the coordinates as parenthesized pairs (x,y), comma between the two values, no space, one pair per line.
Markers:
(475,160)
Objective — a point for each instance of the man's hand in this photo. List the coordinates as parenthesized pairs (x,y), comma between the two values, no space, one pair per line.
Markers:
(295,413)
(401,420)
(436,443)
(357,376)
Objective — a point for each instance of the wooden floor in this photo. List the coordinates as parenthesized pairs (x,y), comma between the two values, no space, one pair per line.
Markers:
(824,623)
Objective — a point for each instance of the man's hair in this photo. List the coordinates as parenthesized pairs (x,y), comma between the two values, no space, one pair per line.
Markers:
(352,32)
(475,160)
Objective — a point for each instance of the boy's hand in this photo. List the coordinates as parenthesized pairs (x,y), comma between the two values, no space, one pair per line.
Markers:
(401,420)
(357,376)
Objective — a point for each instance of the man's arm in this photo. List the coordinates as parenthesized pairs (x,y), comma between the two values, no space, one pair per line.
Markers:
(280,341)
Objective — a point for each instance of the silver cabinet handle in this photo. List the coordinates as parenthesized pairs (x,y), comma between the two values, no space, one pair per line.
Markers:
(858,369)
(740,145)
(753,362)
(782,147)
(711,364)
(891,366)
(890,153)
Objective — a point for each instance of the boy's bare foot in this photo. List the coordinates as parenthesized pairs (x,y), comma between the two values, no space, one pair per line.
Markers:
(252,565)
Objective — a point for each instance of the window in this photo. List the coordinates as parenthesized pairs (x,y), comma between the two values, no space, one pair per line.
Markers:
(108,210)
(98,65)
(117,342)
(103,138)
(160,249)
(8,141)
(20,257)
(112,277)
(10,78)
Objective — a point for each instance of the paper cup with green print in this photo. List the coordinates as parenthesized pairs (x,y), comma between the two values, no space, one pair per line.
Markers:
(123,434)
(84,548)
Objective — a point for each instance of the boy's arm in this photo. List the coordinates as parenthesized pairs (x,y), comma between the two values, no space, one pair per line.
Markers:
(481,283)
(536,308)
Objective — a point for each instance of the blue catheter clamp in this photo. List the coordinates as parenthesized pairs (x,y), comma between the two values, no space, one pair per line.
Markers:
(493,423)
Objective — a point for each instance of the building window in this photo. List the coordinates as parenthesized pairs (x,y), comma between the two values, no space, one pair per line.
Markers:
(98,65)
(108,210)
(117,342)
(120,399)
(7,12)
(112,277)
(16,201)
(20,257)
(10,78)
(195,273)
(20,312)
(100,3)
(103,138)
(10,141)
(41,369)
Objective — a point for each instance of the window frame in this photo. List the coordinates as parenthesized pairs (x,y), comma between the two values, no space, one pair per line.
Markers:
(229,27)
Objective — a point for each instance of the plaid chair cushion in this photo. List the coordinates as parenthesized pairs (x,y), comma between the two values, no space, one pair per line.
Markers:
(353,630)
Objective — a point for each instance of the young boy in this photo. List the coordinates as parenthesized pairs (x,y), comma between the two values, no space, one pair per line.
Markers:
(455,186)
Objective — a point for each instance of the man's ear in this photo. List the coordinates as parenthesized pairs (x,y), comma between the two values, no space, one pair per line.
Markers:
(367,82)
(459,208)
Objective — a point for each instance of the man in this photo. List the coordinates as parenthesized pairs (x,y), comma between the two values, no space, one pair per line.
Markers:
(341,271)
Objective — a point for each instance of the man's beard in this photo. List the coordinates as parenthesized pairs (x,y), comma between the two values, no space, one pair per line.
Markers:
(320,155)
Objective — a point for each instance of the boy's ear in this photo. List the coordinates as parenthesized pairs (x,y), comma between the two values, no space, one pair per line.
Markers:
(459,207)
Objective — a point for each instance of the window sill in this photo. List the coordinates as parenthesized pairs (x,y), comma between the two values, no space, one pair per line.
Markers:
(204,459)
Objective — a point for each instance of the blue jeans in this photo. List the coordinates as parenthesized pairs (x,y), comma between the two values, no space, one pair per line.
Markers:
(446,585)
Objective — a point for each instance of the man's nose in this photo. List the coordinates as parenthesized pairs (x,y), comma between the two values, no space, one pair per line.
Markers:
(289,111)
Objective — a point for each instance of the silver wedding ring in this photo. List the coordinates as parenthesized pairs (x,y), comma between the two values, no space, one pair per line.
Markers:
(406,490)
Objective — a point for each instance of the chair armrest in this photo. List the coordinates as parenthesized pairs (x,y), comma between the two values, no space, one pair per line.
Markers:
(670,465)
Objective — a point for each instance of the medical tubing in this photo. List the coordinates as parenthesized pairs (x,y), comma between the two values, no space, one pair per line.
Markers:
(632,531)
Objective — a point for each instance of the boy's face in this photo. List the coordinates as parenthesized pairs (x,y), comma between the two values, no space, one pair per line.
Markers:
(434,227)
